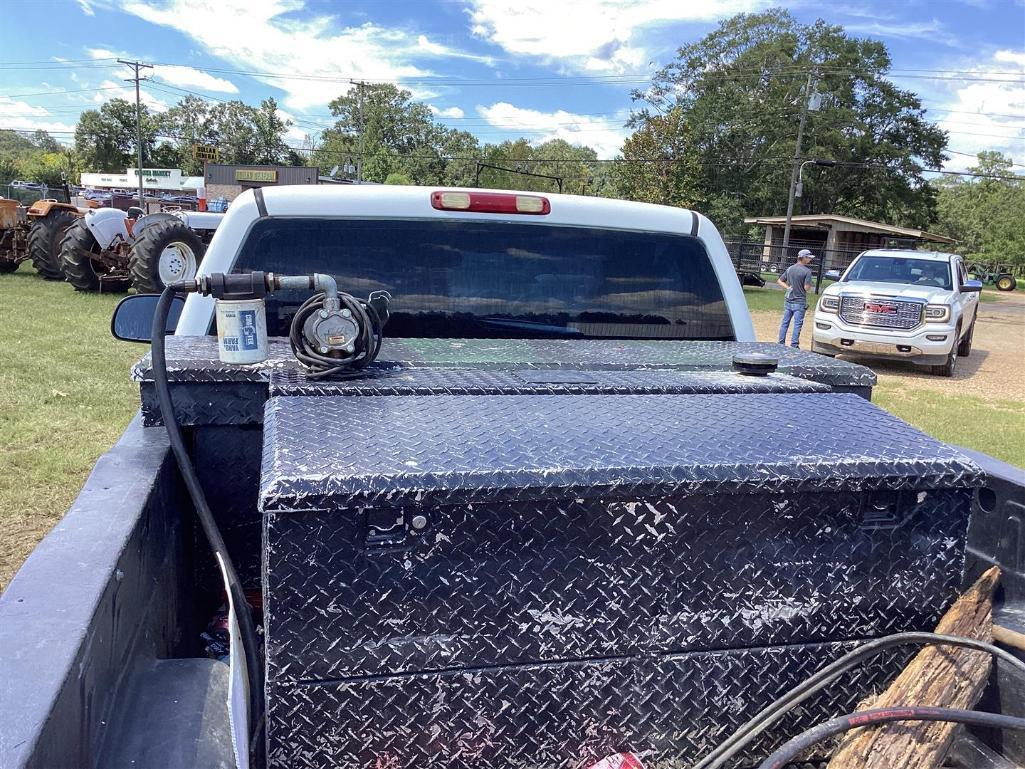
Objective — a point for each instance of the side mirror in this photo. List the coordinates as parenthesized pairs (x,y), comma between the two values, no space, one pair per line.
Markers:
(132,320)
(832,275)
(971,286)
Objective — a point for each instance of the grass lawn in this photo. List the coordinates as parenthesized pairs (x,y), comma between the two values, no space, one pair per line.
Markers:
(65,397)
(994,427)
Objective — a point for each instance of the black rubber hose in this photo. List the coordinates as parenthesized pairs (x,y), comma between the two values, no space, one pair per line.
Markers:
(788,752)
(822,678)
(247,628)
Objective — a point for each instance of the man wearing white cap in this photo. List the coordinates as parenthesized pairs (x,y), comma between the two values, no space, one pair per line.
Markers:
(797,281)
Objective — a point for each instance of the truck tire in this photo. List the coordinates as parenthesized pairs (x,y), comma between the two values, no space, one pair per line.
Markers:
(164,253)
(76,261)
(1006,283)
(964,348)
(947,368)
(44,242)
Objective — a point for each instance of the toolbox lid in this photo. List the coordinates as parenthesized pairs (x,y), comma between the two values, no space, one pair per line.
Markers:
(194,358)
(340,451)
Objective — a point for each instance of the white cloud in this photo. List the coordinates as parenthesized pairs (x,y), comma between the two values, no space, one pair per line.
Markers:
(109,89)
(583,130)
(104,53)
(932,31)
(451,112)
(985,115)
(428,47)
(21,115)
(175,74)
(268,37)
(590,35)
(190,77)
(86,7)
(1010,57)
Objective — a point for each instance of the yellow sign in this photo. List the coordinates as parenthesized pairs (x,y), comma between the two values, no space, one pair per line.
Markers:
(255,175)
(206,152)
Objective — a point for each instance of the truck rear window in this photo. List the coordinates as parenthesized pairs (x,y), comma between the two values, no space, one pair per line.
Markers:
(501,280)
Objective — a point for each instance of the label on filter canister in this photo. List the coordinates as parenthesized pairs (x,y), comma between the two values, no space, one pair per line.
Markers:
(241,331)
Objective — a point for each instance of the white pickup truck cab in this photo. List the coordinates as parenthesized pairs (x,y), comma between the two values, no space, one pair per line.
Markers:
(488,263)
(917,306)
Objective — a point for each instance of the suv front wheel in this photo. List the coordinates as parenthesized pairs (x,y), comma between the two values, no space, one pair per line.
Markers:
(964,349)
(947,368)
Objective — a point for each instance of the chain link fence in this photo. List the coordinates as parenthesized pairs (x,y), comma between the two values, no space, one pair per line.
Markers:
(27,193)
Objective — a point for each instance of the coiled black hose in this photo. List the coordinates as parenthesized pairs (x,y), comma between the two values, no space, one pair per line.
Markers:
(367,346)
(247,627)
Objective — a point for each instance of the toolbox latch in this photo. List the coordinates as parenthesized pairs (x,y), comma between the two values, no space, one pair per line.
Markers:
(390,529)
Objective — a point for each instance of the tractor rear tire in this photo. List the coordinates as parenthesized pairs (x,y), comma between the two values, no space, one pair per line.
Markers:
(76,258)
(44,242)
(165,252)
(1006,283)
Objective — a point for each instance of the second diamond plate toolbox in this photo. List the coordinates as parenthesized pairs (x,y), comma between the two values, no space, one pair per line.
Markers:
(536,581)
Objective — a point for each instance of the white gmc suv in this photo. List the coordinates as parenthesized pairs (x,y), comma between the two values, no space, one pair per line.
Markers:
(917,306)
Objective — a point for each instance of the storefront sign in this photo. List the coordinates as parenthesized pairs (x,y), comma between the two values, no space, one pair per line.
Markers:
(255,175)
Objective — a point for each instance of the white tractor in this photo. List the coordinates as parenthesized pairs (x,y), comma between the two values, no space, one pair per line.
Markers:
(111,249)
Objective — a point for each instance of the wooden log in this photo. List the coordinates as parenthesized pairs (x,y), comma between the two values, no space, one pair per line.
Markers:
(941,676)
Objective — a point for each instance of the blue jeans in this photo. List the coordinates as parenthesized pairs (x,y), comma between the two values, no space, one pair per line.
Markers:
(795,310)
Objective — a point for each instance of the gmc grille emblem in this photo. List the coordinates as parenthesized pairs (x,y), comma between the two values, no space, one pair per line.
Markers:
(879,308)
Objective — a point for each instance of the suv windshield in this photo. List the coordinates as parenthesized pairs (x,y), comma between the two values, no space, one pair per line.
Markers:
(500,280)
(899,269)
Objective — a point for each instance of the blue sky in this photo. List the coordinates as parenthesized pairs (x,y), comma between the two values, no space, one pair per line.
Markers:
(498,68)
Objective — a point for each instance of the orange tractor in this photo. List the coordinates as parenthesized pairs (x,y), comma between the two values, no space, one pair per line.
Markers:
(35,233)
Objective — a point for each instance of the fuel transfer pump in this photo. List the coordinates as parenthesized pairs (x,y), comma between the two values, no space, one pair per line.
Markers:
(332,334)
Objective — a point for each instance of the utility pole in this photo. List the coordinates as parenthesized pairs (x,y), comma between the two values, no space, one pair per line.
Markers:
(136,67)
(795,166)
(362,130)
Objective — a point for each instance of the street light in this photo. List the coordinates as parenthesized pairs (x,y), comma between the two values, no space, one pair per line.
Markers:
(800,173)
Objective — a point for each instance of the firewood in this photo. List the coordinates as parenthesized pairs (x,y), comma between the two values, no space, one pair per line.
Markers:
(940,676)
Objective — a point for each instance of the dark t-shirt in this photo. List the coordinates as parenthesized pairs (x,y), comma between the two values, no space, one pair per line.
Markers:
(797,276)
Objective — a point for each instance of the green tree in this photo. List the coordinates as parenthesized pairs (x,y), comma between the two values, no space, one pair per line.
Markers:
(105,138)
(984,215)
(13,143)
(392,133)
(733,100)
(397,178)
(8,170)
(461,150)
(45,142)
(656,166)
(49,168)
(269,130)
(189,122)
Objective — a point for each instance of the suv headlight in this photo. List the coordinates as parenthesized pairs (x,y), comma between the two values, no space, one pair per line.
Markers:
(937,312)
(829,303)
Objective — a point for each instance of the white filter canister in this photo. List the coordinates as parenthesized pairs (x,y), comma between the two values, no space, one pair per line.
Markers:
(241,330)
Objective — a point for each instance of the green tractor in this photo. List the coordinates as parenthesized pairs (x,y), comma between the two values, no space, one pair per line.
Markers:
(999,275)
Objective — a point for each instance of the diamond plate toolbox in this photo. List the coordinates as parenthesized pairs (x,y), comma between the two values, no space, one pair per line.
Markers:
(540,580)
